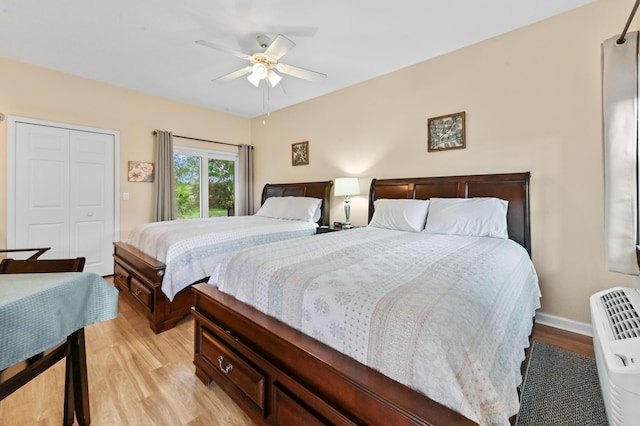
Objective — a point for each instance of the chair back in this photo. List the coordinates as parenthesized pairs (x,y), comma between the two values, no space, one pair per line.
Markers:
(38,251)
(27,266)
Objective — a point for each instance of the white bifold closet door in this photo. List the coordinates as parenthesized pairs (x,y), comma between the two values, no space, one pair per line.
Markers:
(64,193)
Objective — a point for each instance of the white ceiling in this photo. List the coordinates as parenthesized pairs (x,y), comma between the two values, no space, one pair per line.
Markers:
(148,45)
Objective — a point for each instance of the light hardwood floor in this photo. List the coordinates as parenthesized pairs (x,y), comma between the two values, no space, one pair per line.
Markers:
(135,378)
(139,378)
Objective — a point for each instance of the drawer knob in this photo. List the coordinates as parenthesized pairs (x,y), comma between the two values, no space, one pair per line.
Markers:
(137,291)
(227,369)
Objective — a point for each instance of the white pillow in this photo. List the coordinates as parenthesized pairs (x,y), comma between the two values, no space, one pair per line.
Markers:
(480,217)
(399,214)
(293,208)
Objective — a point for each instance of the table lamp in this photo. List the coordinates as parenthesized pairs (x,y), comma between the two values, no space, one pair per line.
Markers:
(345,187)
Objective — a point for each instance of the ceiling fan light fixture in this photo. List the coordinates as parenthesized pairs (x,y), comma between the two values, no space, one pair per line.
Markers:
(254,79)
(273,78)
(258,73)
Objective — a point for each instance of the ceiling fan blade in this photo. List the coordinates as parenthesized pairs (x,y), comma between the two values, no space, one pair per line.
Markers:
(233,75)
(300,72)
(279,47)
(224,49)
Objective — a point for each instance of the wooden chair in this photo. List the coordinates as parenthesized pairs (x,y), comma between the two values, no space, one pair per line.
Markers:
(38,251)
(27,266)
(76,389)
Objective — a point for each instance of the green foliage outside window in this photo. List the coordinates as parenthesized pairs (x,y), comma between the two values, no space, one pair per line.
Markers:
(221,186)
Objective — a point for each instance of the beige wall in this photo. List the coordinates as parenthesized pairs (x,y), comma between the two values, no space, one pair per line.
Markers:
(32,92)
(533,102)
(532,99)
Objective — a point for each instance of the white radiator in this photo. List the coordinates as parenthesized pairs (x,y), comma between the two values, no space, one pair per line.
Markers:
(615,317)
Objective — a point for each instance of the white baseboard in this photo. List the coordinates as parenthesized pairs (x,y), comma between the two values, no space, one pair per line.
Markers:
(564,323)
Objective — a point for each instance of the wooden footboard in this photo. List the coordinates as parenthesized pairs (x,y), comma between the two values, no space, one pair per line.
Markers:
(280,376)
(139,279)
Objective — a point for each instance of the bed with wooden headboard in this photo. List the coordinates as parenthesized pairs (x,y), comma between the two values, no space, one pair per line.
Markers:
(280,375)
(139,276)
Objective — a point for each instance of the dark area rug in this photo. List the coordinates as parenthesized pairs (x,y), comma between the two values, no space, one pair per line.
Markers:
(560,388)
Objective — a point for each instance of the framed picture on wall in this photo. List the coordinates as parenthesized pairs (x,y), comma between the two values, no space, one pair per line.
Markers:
(140,171)
(300,153)
(446,132)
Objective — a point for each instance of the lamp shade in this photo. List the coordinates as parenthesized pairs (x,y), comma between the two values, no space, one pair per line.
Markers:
(273,78)
(258,73)
(346,186)
(254,79)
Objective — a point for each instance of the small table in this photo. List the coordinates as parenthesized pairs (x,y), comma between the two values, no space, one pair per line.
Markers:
(327,229)
(42,311)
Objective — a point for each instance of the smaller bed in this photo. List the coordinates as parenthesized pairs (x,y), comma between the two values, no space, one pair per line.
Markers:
(155,268)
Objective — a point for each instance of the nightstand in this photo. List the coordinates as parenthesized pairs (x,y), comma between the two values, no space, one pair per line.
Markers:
(327,229)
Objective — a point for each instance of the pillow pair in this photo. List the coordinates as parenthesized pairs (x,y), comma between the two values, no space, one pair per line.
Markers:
(481,217)
(307,209)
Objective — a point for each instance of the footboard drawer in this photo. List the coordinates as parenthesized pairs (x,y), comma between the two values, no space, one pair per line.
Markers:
(287,411)
(142,293)
(231,366)
(120,277)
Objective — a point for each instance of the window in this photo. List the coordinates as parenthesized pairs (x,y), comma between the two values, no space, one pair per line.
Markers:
(205,182)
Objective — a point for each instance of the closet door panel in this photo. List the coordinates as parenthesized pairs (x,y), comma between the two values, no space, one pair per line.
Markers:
(92,199)
(42,198)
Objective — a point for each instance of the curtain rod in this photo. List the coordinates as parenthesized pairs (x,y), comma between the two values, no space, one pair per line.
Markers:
(205,140)
(622,38)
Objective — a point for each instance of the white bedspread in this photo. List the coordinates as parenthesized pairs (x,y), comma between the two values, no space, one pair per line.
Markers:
(448,316)
(191,248)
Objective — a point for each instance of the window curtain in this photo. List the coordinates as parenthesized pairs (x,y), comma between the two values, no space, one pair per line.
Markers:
(620,121)
(165,178)
(245,199)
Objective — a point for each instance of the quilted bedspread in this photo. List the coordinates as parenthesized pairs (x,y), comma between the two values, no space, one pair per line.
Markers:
(191,248)
(448,316)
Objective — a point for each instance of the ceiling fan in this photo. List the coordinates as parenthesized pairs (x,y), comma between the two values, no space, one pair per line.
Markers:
(265,64)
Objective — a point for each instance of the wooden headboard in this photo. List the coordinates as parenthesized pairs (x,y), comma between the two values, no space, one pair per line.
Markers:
(320,190)
(512,187)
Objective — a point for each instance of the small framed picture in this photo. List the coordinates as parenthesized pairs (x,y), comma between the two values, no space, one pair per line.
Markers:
(140,171)
(446,132)
(300,153)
